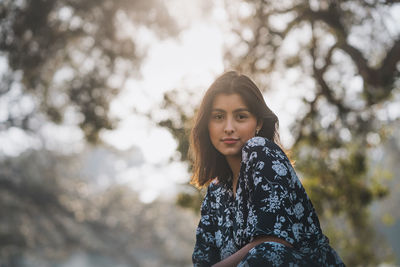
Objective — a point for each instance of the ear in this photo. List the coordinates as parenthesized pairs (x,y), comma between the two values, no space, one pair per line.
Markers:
(260,124)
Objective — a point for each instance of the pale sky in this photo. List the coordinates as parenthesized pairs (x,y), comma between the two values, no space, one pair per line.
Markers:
(188,62)
(191,62)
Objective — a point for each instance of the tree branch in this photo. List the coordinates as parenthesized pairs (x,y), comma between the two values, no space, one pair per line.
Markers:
(388,68)
(379,80)
(318,74)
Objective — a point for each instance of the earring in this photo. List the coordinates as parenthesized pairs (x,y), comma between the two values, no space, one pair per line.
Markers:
(257,130)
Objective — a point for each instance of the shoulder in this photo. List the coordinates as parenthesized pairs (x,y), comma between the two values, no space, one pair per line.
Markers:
(214,189)
(214,199)
(257,146)
(259,141)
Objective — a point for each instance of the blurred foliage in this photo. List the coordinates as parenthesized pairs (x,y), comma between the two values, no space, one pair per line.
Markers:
(50,210)
(72,57)
(177,117)
(191,200)
(345,57)
(64,61)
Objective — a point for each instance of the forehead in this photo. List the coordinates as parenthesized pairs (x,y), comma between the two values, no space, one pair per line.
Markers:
(228,101)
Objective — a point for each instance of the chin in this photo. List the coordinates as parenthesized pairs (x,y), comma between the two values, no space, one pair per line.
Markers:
(231,153)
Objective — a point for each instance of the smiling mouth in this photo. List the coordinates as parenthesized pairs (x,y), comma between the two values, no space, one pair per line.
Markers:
(230,141)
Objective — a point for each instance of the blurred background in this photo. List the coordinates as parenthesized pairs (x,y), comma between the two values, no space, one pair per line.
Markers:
(97,99)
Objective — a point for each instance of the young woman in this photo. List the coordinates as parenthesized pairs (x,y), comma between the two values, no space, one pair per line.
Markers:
(256,212)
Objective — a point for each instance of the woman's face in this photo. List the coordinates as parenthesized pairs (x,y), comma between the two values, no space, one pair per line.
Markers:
(231,124)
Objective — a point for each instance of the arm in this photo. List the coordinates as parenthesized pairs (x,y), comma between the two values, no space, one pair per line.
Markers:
(276,204)
(234,259)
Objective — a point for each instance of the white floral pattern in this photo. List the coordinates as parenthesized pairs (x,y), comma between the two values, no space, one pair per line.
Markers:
(270,200)
(279,168)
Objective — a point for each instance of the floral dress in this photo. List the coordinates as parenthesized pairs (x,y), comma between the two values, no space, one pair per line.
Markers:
(269,201)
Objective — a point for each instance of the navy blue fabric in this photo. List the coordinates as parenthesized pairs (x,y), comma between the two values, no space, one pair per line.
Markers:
(271,201)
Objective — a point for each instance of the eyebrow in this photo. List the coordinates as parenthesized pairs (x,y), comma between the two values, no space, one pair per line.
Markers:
(236,110)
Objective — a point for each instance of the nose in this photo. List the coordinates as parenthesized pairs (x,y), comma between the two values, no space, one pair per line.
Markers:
(229,127)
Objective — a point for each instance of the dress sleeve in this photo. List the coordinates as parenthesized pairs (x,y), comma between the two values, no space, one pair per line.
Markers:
(277,201)
(205,251)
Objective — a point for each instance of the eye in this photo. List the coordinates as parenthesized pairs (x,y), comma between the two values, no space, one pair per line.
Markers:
(241,116)
(217,116)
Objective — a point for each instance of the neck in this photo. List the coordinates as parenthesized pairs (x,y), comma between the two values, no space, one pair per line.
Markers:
(234,164)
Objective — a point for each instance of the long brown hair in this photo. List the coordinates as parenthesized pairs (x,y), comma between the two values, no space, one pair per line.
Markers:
(209,163)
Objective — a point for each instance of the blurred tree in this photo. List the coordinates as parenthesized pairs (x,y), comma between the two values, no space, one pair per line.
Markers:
(50,210)
(68,56)
(66,60)
(343,58)
(346,56)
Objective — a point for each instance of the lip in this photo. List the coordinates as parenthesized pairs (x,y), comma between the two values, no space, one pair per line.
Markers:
(230,141)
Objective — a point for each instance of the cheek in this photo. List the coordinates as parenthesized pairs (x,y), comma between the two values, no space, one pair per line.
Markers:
(250,129)
(212,129)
